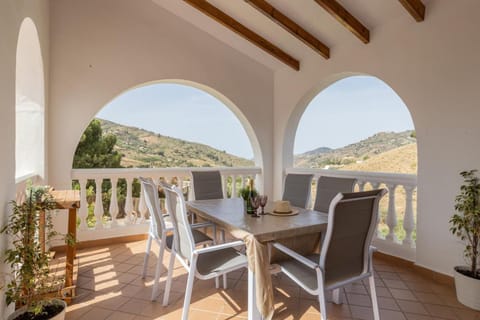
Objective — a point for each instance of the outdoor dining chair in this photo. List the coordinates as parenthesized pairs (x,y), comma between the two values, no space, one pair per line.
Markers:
(328,188)
(297,189)
(346,253)
(161,230)
(207,185)
(203,263)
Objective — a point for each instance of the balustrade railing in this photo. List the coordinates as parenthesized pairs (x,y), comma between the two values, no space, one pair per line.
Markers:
(399,205)
(396,231)
(98,221)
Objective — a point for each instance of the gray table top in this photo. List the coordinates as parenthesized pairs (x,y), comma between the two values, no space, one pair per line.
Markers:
(230,214)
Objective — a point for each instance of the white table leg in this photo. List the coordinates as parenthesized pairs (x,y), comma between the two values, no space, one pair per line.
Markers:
(253,313)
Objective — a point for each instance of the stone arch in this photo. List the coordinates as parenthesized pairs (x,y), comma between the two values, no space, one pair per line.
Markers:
(29,103)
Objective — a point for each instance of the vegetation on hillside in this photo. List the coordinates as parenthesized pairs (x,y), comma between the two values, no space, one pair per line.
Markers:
(96,150)
(144,149)
(354,153)
(399,160)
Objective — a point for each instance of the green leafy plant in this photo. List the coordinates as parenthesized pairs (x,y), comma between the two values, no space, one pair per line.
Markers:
(465,223)
(31,284)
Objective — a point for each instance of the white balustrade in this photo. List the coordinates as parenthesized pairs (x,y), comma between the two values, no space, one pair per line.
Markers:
(137,222)
(392,181)
(391,214)
(409,218)
(113,209)
(129,201)
(98,212)
(83,211)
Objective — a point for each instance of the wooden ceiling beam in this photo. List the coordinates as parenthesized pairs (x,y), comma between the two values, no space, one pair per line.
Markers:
(291,26)
(232,24)
(415,7)
(345,18)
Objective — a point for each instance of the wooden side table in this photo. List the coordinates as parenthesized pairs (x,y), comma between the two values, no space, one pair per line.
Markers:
(69,199)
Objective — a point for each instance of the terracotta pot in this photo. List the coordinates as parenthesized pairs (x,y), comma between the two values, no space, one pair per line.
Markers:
(468,289)
(60,316)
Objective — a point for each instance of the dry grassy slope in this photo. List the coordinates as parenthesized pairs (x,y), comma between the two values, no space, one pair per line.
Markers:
(399,160)
(142,148)
(372,146)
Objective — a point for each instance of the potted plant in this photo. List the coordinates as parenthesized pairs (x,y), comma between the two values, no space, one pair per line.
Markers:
(465,224)
(31,287)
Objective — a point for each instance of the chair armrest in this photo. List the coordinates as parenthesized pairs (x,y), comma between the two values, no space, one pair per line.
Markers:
(218,247)
(295,255)
(201,225)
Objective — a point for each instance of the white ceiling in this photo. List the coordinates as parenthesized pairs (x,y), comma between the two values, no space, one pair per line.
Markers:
(373,14)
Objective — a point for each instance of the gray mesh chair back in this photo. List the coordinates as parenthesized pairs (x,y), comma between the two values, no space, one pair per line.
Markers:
(207,185)
(184,243)
(328,188)
(351,225)
(346,253)
(150,192)
(297,189)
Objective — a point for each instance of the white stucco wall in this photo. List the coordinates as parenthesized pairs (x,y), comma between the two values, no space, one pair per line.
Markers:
(30,103)
(102,48)
(434,68)
(12,13)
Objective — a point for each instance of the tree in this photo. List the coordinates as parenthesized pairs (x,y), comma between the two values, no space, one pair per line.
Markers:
(96,150)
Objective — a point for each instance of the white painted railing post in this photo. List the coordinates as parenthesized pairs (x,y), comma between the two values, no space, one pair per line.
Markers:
(98,203)
(224,185)
(391,215)
(361,185)
(113,209)
(142,206)
(129,201)
(375,185)
(191,194)
(234,186)
(83,211)
(409,219)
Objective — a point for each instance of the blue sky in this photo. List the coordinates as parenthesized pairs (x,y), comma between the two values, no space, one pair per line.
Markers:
(348,111)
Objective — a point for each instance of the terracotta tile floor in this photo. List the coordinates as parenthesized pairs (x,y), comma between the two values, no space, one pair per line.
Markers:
(109,286)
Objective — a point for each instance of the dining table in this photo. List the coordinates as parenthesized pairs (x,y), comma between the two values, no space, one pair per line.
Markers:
(257,233)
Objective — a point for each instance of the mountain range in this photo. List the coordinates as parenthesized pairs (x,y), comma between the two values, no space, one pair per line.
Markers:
(384,152)
(357,152)
(145,149)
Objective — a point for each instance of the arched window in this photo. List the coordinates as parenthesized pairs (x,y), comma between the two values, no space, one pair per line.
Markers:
(175,125)
(30,103)
(358,123)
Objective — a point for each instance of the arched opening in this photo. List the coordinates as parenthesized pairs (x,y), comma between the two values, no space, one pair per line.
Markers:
(358,123)
(166,124)
(178,115)
(357,126)
(30,103)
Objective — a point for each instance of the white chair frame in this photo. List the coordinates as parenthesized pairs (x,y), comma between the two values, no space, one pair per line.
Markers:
(320,267)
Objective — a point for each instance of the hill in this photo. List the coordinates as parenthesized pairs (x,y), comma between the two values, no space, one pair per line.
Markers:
(144,149)
(400,160)
(357,152)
